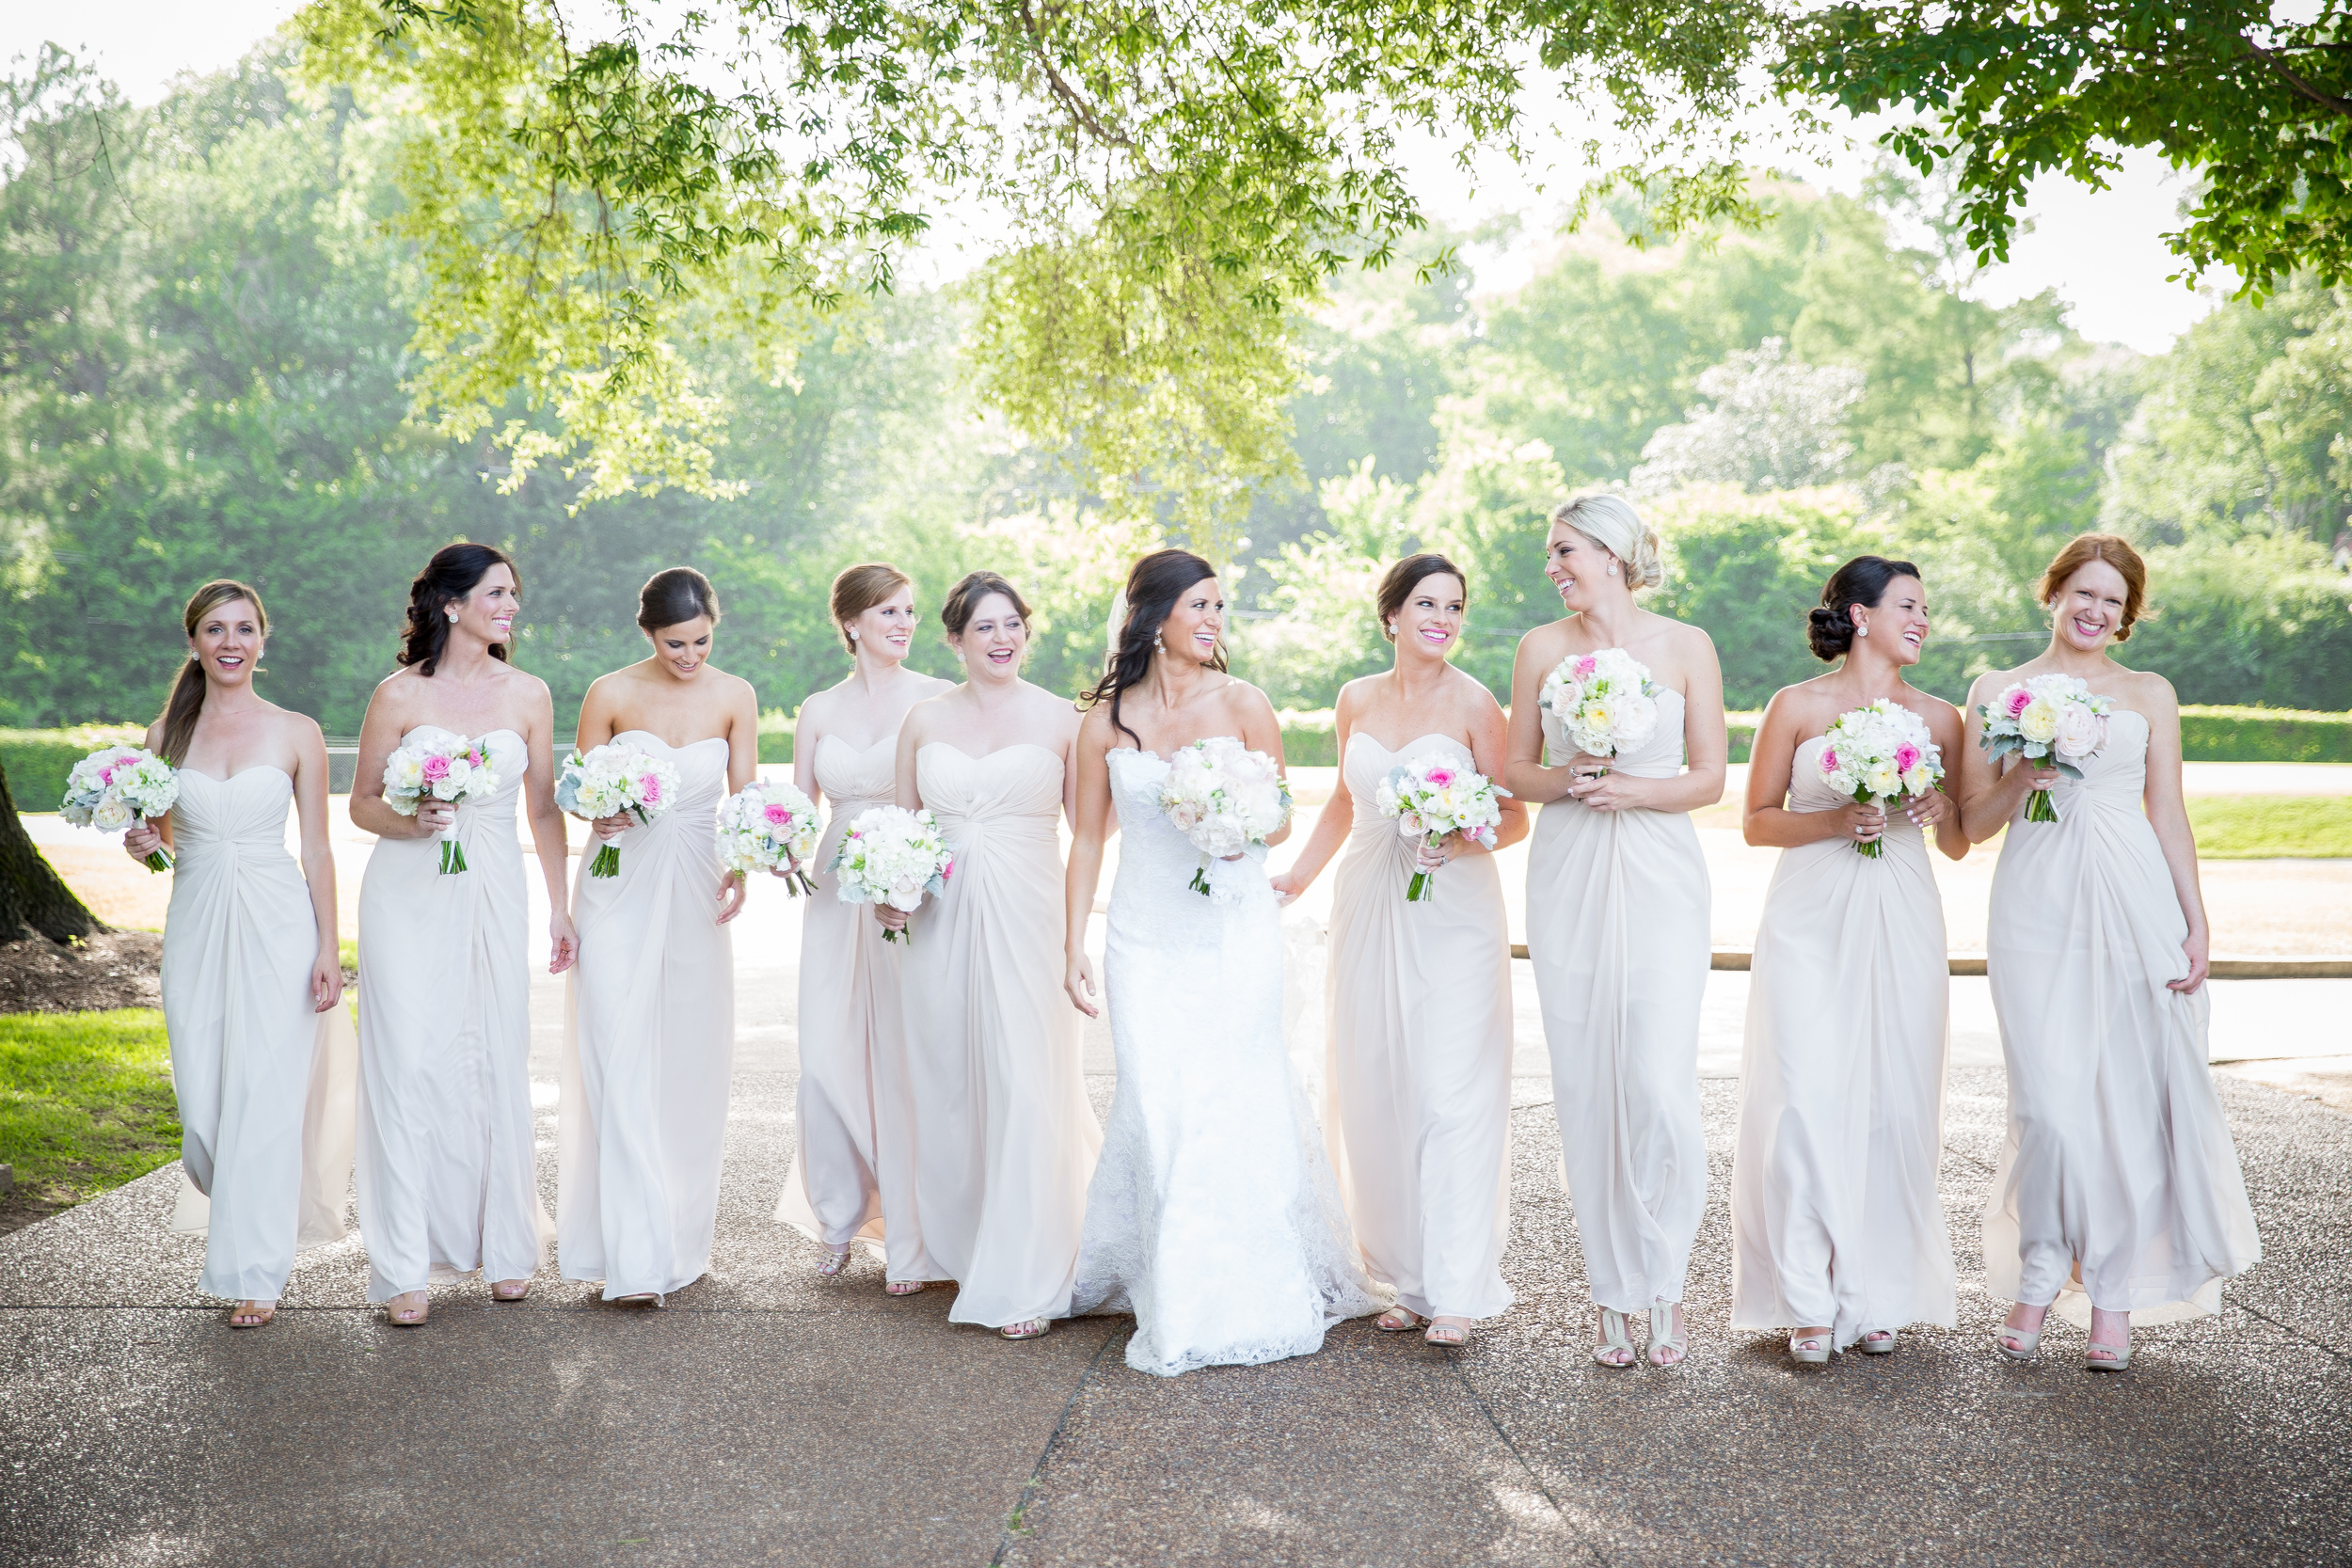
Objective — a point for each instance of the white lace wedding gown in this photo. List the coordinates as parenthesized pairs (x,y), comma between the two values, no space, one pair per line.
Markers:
(1213,1215)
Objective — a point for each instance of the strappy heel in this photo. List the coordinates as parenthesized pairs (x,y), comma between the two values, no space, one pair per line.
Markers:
(902,1287)
(1809,1349)
(1662,1313)
(1031,1328)
(641,1298)
(256,1314)
(1613,1340)
(1397,1319)
(837,1258)
(1452,1334)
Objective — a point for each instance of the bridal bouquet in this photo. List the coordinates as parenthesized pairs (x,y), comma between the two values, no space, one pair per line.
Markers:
(2052,719)
(119,787)
(1605,701)
(1879,754)
(455,769)
(1224,798)
(610,779)
(893,856)
(1431,798)
(770,827)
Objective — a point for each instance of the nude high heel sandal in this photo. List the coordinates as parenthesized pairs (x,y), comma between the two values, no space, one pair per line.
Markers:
(1614,1342)
(1661,1317)
(1809,1349)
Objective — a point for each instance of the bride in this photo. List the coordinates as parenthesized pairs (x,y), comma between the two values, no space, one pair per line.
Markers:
(1213,1215)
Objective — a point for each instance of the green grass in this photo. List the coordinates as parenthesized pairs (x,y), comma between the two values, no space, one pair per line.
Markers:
(85,1101)
(2263,827)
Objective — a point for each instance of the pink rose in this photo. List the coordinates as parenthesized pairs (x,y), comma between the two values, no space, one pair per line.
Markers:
(649,789)
(947,868)
(1586,666)
(435,769)
(1440,777)
(778,816)
(2019,701)
(1906,757)
(1829,759)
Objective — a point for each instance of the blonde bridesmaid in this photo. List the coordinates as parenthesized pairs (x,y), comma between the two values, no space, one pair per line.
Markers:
(853,1163)
(448,1174)
(649,1024)
(1836,1225)
(1005,1139)
(1418,1087)
(2118,1196)
(1617,926)
(263,1059)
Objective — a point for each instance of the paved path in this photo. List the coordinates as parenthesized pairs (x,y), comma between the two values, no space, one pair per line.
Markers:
(769,1416)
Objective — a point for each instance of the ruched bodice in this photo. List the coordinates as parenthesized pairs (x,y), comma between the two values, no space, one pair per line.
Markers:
(264,1083)
(853,778)
(1658,757)
(649,1037)
(1010,796)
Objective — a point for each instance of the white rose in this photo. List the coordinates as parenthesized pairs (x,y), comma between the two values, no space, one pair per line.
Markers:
(110,815)
(2079,732)
(1882,780)
(2040,720)
(1637,718)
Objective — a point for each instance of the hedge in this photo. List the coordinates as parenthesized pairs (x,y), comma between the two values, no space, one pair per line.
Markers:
(38,761)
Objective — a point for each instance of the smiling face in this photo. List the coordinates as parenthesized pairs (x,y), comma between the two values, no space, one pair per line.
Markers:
(1898,622)
(886,630)
(227,643)
(1580,568)
(1430,620)
(1196,625)
(680,650)
(995,640)
(488,613)
(2088,609)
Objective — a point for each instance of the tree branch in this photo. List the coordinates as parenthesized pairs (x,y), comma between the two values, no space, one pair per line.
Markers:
(2274,59)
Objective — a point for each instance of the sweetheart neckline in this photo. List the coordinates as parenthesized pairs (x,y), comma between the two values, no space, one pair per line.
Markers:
(240,773)
(1400,751)
(1000,751)
(859,751)
(460,734)
(665,745)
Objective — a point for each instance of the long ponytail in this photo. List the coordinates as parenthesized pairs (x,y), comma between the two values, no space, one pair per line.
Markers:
(187,703)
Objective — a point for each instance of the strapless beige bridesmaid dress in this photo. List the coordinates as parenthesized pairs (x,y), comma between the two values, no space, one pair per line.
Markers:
(1005,1141)
(1836,1219)
(1418,1080)
(1617,918)
(265,1084)
(2118,1156)
(853,1163)
(447,1171)
(649,1038)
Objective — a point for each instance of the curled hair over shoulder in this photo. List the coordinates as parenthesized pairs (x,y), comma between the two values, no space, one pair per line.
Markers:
(187,702)
(450,578)
(2115,551)
(1610,522)
(859,589)
(964,600)
(675,596)
(1155,583)
(1397,585)
(1862,580)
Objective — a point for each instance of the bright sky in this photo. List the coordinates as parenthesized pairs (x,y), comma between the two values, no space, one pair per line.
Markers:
(2099,251)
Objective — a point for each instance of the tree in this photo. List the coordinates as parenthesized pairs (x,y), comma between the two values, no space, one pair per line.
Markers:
(1774,425)
(32,894)
(2261,110)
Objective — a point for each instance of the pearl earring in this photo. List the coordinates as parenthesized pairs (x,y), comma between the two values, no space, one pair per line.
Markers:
(853,634)
(1862,631)
(1612,568)
(453,616)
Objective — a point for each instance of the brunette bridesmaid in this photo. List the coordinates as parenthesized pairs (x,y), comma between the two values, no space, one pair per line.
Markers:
(263,1059)
(1836,1225)
(448,1184)
(2118,1196)
(1617,927)
(1418,1089)
(1006,1141)
(853,1163)
(649,1030)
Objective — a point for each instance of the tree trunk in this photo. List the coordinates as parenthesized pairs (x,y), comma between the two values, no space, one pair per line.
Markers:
(31,892)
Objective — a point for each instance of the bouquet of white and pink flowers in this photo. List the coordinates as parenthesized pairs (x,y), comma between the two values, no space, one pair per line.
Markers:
(2052,719)
(1604,701)
(893,856)
(608,780)
(1224,798)
(1880,753)
(1431,798)
(454,770)
(120,787)
(770,827)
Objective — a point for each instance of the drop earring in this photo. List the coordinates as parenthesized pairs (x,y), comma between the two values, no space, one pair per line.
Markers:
(1156,643)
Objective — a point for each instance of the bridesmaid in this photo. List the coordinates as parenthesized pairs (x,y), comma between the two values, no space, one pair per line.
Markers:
(1617,927)
(1417,1118)
(448,1183)
(649,1024)
(853,1164)
(263,1059)
(2118,1188)
(1836,1225)
(1004,1140)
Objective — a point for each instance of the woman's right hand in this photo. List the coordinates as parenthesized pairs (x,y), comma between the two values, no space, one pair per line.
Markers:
(892,917)
(1862,824)
(1078,981)
(1288,885)
(435,817)
(142,840)
(2028,776)
(612,827)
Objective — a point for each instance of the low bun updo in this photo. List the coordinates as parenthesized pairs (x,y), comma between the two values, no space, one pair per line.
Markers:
(1610,522)
(675,596)
(1863,581)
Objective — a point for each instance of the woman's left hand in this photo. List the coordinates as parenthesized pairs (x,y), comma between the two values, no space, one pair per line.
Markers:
(562,943)
(327,981)
(1927,810)
(2197,949)
(612,827)
(731,894)
(1609,791)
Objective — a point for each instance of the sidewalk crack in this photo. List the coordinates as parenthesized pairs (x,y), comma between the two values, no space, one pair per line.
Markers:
(1014,1526)
(1462,1371)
